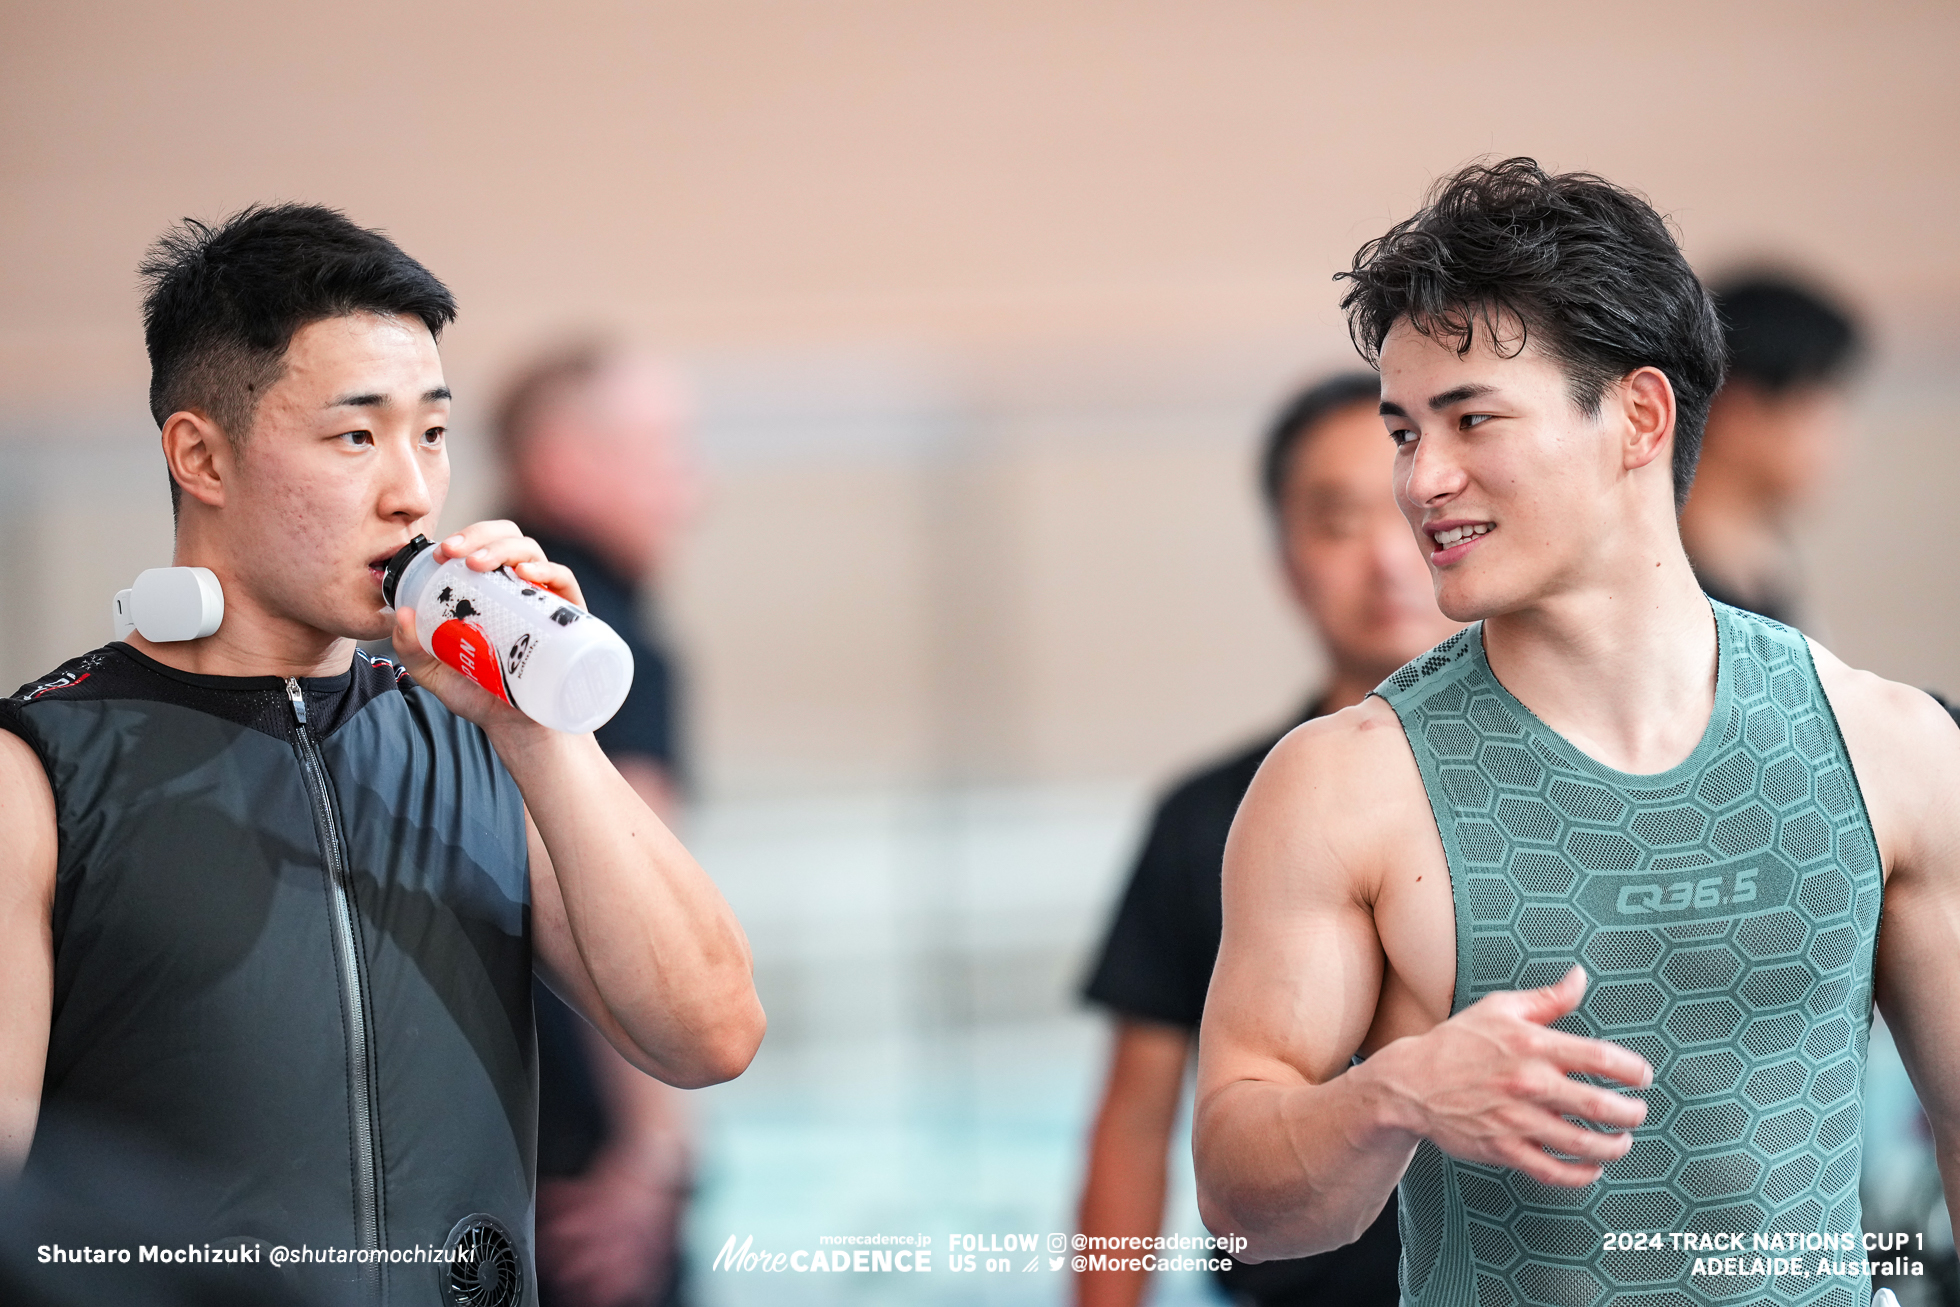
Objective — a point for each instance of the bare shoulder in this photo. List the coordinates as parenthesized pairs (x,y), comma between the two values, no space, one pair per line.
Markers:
(1885,714)
(27,856)
(24,790)
(1350,747)
(1904,749)
(1330,795)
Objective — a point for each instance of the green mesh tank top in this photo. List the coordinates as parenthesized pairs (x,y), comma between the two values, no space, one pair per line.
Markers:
(1726,911)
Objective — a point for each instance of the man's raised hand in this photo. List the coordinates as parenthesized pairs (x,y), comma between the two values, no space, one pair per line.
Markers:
(1492,1085)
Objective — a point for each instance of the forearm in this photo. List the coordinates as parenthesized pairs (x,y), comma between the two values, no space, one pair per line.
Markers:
(27,874)
(1298,1169)
(1129,1149)
(1946,1156)
(662,950)
(1122,1197)
(19,1114)
(1946,1152)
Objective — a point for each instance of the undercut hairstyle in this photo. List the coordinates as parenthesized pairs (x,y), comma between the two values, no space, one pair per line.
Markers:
(1295,422)
(1586,269)
(223,303)
(1783,334)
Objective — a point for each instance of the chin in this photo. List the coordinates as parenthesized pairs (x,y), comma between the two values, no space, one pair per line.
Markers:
(1463,600)
(378,625)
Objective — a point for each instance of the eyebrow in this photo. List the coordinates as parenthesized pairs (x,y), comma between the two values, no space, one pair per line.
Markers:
(375,399)
(1457,394)
(1441,401)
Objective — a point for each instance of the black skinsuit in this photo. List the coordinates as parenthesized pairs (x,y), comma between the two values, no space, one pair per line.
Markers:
(297,959)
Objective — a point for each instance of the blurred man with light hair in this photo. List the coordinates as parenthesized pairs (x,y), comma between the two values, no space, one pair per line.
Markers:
(594,438)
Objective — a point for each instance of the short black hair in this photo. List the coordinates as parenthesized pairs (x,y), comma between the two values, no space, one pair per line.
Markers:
(1585,267)
(1299,416)
(1783,334)
(223,303)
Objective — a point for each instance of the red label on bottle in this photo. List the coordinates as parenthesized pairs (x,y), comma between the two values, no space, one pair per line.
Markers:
(464,646)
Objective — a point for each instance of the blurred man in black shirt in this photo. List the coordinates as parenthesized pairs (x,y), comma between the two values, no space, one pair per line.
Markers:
(1361,583)
(600,474)
(1774,432)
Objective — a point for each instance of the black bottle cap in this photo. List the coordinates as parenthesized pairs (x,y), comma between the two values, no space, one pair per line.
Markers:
(392,574)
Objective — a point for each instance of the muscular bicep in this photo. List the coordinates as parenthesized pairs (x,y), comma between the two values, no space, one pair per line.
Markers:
(27,867)
(1906,755)
(1918,974)
(1300,965)
(1918,963)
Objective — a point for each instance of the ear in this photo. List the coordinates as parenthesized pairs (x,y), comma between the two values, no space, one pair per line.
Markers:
(200,457)
(1647,404)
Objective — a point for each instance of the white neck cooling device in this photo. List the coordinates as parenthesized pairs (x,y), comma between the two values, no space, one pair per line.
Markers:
(168,604)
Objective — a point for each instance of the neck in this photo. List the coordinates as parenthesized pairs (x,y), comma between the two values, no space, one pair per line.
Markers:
(250,641)
(246,652)
(1624,670)
(1737,539)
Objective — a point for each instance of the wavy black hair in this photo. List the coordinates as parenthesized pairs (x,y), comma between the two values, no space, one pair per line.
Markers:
(223,303)
(1586,269)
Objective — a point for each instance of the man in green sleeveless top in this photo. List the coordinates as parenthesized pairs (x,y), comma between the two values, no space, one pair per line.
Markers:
(1574,929)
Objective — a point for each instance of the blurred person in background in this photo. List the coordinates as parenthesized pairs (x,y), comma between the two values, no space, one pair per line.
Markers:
(1361,584)
(601,475)
(1774,433)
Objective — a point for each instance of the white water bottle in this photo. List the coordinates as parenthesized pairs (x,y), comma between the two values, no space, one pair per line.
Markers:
(550,659)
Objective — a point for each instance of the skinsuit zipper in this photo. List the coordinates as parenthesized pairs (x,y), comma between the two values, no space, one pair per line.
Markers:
(353,990)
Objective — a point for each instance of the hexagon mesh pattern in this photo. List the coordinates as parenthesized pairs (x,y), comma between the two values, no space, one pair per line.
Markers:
(1727,909)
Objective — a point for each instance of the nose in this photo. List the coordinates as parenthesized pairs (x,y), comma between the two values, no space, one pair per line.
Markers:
(405,491)
(1429,475)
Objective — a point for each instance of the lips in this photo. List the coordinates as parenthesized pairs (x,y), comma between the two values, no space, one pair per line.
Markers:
(378,565)
(1451,541)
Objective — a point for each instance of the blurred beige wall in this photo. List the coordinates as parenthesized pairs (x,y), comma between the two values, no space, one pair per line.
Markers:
(987,302)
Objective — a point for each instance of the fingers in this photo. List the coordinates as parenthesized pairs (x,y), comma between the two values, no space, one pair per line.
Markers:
(1542,1166)
(1542,1085)
(1538,1115)
(1600,1106)
(406,644)
(1547,1004)
(1593,1057)
(490,545)
(1555,1056)
(1577,1142)
(555,577)
(1550,1148)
